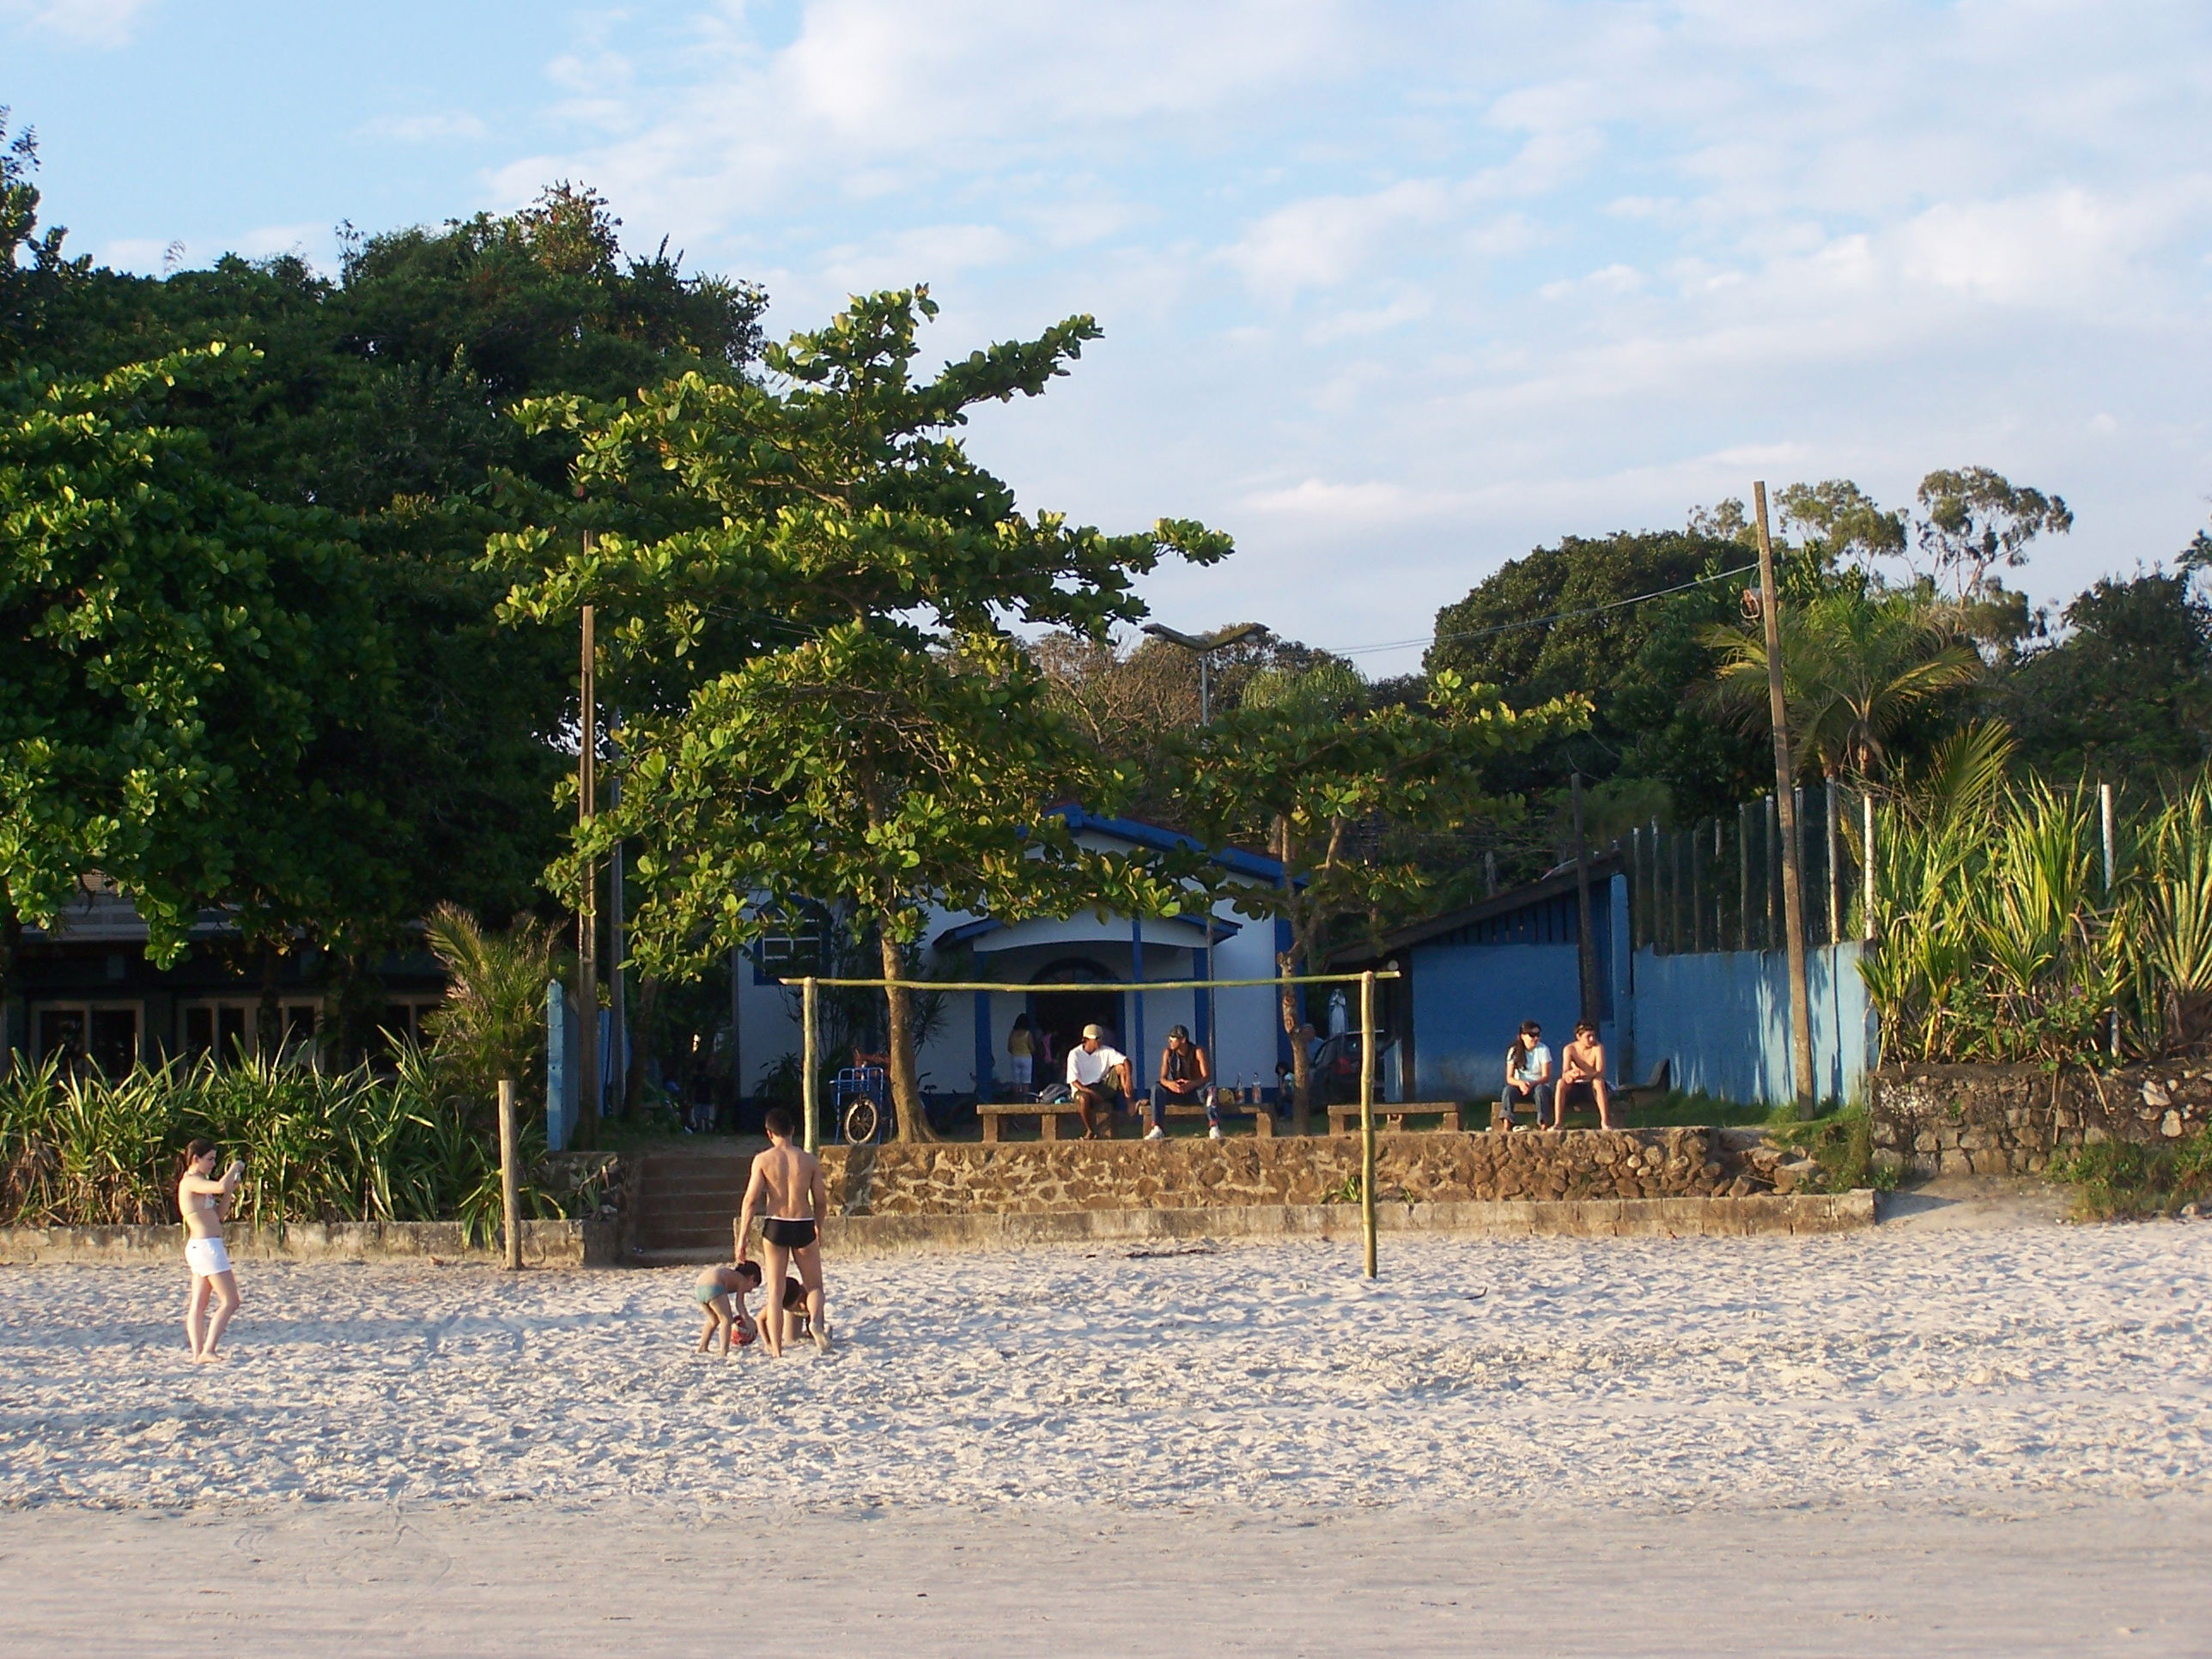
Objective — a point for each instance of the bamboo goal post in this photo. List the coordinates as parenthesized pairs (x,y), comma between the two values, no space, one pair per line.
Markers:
(1367,1116)
(510,1179)
(809,986)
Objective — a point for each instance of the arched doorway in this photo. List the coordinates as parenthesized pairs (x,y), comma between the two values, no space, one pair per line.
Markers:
(1061,1015)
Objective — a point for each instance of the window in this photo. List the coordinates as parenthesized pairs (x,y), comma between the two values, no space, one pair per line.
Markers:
(402,1023)
(74,1036)
(795,950)
(229,1028)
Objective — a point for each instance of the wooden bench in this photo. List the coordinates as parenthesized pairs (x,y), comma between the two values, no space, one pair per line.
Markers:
(1047,1112)
(1345,1119)
(1625,1095)
(1262,1115)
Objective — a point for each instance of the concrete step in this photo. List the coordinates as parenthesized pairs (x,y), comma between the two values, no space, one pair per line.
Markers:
(681,1255)
(717,1241)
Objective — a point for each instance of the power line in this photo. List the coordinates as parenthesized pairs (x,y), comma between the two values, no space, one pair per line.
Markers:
(1540,622)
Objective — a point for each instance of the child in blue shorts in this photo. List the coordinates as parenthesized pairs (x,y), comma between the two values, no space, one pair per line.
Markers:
(721,1292)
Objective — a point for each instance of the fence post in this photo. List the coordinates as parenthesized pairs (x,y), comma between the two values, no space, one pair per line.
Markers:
(1828,851)
(510,1180)
(1866,837)
(1367,1114)
(1743,876)
(2105,825)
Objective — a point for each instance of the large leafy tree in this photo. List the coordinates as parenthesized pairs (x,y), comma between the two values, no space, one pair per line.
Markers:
(1305,767)
(169,636)
(808,588)
(1571,619)
(379,395)
(2125,694)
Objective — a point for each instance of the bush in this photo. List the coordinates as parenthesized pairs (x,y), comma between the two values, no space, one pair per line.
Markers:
(2118,1180)
(90,1150)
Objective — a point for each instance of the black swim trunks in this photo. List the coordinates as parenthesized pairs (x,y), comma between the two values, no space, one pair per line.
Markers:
(790,1235)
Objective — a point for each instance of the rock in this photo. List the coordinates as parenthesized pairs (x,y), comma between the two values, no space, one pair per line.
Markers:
(2170,1126)
(2155,1094)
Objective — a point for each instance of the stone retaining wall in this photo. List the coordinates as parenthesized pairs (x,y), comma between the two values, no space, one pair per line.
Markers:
(1033,1177)
(847,1236)
(2006,1119)
(544,1243)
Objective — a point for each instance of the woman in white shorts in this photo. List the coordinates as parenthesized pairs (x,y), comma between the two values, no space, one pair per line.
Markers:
(203,1200)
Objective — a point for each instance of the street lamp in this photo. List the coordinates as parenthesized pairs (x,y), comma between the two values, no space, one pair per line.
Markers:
(1203,647)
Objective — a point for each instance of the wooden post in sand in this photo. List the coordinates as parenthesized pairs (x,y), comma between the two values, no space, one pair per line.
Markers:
(806,1059)
(1367,1114)
(510,1193)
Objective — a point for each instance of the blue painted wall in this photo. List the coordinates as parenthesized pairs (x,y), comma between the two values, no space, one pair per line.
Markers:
(1471,989)
(1722,1017)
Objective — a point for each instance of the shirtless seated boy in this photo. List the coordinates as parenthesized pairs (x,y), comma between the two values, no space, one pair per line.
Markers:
(787,1192)
(721,1291)
(1582,1068)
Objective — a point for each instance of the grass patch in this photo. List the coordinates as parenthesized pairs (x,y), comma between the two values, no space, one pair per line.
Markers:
(1840,1141)
(1677,1109)
(2120,1180)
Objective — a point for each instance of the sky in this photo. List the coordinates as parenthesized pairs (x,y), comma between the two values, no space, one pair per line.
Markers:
(1391,291)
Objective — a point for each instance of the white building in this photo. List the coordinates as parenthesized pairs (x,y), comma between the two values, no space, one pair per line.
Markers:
(1240,1028)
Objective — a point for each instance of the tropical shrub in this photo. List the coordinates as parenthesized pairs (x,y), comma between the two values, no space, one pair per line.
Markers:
(2000,939)
(85,1150)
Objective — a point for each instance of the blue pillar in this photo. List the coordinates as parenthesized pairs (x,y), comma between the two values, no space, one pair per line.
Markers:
(562,1081)
(1200,1026)
(1138,1075)
(986,1051)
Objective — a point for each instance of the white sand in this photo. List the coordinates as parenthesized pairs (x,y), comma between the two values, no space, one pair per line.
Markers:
(1517,1420)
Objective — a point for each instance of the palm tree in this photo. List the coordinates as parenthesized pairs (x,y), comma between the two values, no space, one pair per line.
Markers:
(1855,665)
(492,1023)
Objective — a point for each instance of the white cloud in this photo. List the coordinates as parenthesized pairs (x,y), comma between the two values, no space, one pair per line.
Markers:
(438,129)
(1421,287)
(85,22)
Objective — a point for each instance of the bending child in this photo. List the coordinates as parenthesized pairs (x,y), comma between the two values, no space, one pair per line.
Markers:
(721,1291)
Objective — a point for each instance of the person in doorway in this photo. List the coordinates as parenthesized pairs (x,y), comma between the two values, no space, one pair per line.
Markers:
(1582,1068)
(787,1192)
(1098,1079)
(203,1200)
(1021,1054)
(1528,1076)
(1186,1079)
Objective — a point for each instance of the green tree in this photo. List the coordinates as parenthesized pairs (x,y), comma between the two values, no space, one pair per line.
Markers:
(491,1024)
(1304,767)
(1858,664)
(380,394)
(2126,693)
(1572,619)
(146,603)
(812,585)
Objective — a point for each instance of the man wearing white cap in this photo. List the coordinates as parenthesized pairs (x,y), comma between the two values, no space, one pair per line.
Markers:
(1098,1078)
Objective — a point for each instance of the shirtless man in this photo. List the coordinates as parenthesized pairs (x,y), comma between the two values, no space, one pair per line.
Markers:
(1583,1066)
(787,1192)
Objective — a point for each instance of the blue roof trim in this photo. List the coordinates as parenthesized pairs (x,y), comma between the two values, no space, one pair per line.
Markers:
(1172,841)
(1223,929)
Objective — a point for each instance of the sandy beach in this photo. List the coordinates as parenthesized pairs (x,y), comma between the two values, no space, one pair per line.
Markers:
(1598,1438)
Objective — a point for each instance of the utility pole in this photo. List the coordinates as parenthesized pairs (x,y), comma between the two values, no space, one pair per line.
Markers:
(1585,940)
(1785,802)
(587,912)
(617,987)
